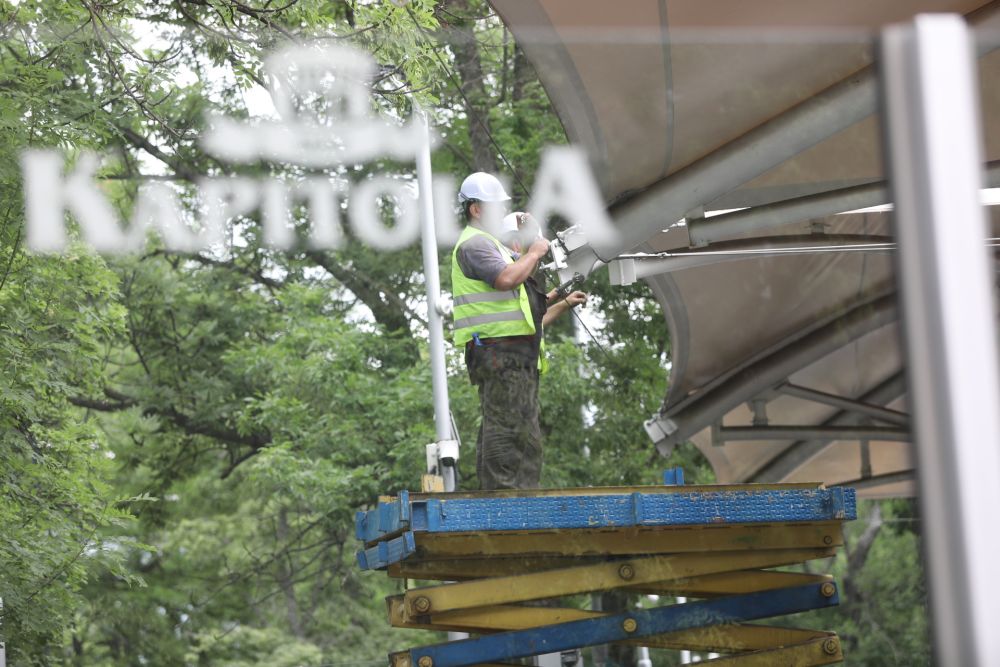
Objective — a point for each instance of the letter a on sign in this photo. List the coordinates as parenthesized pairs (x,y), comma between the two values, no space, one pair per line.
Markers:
(565,186)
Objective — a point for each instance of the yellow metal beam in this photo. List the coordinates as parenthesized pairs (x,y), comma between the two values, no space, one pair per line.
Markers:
(822,651)
(484,620)
(731,583)
(597,577)
(461,569)
(728,638)
(711,585)
(629,541)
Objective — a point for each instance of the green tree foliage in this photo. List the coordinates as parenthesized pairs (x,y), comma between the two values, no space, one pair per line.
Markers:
(185,437)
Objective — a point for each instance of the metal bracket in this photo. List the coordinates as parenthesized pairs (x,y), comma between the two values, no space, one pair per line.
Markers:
(444,305)
(622,272)
(660,428)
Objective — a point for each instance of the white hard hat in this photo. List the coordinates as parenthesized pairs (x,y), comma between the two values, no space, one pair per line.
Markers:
(482,187)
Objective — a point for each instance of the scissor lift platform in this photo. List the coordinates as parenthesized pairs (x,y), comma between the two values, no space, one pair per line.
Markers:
(501,549)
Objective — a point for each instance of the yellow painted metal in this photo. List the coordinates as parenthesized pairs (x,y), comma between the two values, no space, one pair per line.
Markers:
(461,569)
(432,483)
(738,637)
(710,585)
(497,618)
(731,583)
(821,651)
(495,569)
(401,659)
(628,541)
(598,577)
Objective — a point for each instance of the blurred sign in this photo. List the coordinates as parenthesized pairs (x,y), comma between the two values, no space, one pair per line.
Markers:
(325,122)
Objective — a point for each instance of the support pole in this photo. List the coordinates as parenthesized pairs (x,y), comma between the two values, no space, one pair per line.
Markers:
(3,649)
(948,306)
(435,319)
(446,437)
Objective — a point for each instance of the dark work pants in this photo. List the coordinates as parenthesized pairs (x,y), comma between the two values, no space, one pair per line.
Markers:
(509,447)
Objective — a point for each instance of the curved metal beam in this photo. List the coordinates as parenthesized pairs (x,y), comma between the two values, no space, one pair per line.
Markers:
(703,409)
(703,231)
(630,268)
(741,160)
(762,148)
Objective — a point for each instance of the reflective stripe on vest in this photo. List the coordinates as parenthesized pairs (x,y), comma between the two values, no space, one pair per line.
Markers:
(485,296)
(478,320)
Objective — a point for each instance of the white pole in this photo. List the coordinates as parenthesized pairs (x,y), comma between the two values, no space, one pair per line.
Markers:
(949,319)
(3,646)
(685,655)
(435,320)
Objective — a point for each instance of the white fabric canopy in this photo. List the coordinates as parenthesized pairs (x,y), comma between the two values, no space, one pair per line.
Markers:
(650,88)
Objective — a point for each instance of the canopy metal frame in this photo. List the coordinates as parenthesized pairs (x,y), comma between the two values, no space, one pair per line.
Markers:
(646,214)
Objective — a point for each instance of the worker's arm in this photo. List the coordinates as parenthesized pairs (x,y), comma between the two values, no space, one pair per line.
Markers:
(557,309)
(515,274)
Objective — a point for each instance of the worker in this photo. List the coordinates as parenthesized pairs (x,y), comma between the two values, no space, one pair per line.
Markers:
(499,317)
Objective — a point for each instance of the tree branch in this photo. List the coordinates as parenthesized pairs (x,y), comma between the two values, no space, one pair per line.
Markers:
(187,423)
(142,142)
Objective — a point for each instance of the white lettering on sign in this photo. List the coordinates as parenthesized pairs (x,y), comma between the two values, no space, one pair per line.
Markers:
(565,186)
(326,121)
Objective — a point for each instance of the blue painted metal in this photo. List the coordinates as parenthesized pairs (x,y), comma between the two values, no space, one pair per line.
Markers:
(637,509)
(673,477)
(359,524)
(387,518)
(588,632)
(844,506)
(387,552)
(442,515)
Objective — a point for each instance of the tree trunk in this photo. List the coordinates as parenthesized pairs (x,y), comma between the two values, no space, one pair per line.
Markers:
(523,73)
(460,35)
(285,578)
(857,556)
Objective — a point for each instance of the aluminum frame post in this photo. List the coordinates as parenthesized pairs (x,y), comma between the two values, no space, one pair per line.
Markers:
(435,318)
(432,281)
(933,130)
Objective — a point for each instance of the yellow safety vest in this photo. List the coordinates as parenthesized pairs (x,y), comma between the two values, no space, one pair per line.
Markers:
(490,313)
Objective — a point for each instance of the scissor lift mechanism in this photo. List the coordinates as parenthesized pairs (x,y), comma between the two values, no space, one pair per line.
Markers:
(505,548)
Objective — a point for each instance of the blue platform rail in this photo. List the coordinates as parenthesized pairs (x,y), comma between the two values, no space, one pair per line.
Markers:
(680,507)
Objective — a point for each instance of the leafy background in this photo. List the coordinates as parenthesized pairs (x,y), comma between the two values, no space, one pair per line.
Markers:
(184,438)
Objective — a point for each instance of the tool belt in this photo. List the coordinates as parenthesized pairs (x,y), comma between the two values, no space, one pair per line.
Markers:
(503,340)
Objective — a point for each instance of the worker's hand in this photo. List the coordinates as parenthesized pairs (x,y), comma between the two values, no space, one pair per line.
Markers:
(576,299)
(539,248)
